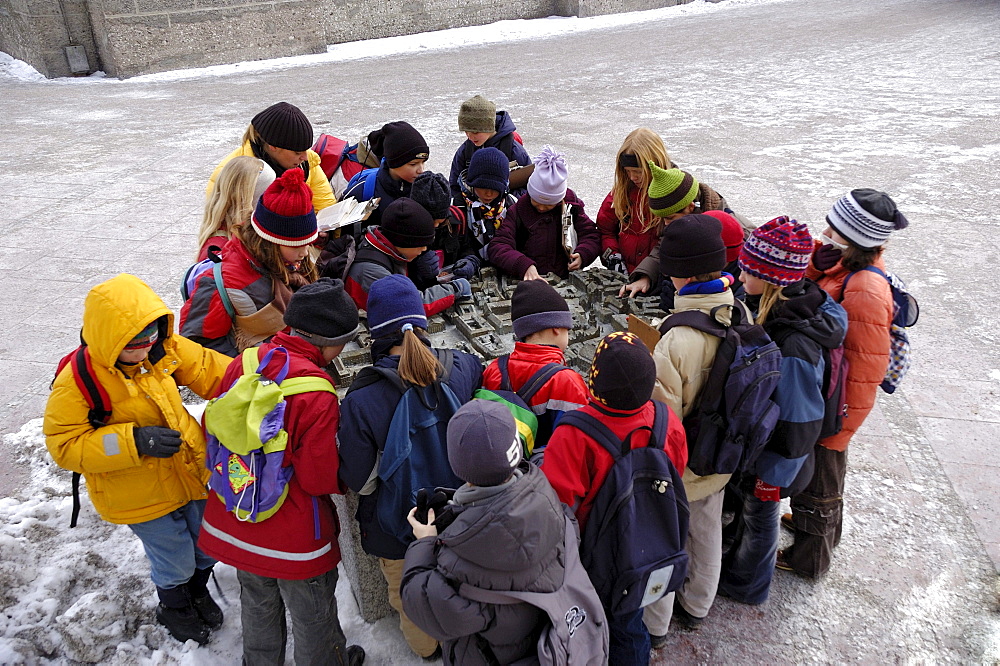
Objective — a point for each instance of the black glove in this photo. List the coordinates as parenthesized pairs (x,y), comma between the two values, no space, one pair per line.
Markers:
(436,500)
(613,261)
(826,257)
(157,441)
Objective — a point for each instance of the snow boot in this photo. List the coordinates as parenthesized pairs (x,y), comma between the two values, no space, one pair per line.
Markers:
(203,603)
(176,613)
(355,655)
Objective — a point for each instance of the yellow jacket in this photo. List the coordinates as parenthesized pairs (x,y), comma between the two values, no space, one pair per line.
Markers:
(124,486)
(317,181)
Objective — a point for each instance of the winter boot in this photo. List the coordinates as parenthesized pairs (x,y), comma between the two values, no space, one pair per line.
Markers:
(176,613)
(355,655)
(203,603)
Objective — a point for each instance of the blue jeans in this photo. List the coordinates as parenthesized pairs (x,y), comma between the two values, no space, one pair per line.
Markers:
(629,645)
(749,565)
(171,545)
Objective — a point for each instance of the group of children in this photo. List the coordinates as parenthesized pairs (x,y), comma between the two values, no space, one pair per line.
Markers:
(268,306)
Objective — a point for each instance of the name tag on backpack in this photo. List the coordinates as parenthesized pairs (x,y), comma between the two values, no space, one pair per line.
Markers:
(657,585)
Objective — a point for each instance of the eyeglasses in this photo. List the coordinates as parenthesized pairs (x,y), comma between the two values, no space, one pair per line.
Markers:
(826,240)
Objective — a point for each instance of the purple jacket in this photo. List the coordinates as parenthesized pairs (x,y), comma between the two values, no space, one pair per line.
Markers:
(528,238)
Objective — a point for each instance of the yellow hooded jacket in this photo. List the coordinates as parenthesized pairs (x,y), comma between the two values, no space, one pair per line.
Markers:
(124,486)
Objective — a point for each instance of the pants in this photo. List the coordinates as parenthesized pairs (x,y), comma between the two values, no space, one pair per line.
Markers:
(748,567)
(817,514)
(629,640)
(418,641)
(171,545)
(704,547)
(315,625)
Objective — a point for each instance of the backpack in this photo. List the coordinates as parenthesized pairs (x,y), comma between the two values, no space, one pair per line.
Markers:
(576,633)
(736,413)
(415,454)
(519,402)
(905,313)
(365,180)
(633,544)
(336,154)
(247,439)
(194,272)
(835,370)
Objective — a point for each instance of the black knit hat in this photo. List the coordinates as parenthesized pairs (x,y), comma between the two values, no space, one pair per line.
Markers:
(536,306)
(405,223)
(692,245)
(283,125)
(431,190)
(401,144)
(322,313)
(623,372)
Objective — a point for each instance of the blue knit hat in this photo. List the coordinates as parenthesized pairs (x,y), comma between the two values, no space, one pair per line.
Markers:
(393,302)
(490,169)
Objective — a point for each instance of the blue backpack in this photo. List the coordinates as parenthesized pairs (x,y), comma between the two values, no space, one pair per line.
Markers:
(194,272)
(736,413)
(633,544)
(363,183)
(415,454)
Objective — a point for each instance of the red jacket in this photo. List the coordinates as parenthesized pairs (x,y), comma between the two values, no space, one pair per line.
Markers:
(300,540)
(576,465)
(626,236)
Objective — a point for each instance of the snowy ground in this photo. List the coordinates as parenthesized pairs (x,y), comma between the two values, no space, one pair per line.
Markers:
(782,106)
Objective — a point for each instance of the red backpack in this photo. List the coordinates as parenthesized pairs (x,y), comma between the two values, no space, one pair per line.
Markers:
(337,154)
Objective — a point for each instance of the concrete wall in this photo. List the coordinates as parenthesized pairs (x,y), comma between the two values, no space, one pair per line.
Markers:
(37,31)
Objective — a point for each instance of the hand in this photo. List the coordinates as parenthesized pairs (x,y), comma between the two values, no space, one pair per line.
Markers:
(463,290)
(575,261)
(766,492)
(465,267)
(532,274)
(639,286)
(421,530)
(157,441)
(826,257)
(445,278)
(321,239)
(613,261)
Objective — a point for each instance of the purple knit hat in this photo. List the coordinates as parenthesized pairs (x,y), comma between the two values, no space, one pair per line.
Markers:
(777,252)
(483,446)
(547,183)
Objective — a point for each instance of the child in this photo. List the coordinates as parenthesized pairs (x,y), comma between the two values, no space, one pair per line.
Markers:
(145,467)
(629,231)
(692,254)
(530,241)
(501,514)
(803,320)
(405,233)
(241,183)
(485,127)
(485,195)
(732,237)
(262,265)
(282,136)
(860,223)
(404,154)
(399,342)
(290,559)
(621,383)
(451,253)
(542,322)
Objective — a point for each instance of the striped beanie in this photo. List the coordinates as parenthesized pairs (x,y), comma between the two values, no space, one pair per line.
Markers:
(147,337)
(670,190)
(284,214)
(866,217)
(777,252)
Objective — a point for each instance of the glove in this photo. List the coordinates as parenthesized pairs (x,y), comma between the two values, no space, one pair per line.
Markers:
(436,500)
(463,290)
(826,257)
(613,261)
(766,492)
(465,267)
(157,441)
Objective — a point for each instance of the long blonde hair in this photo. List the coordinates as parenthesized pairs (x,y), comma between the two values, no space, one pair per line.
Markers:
(268,256)
(769,297)
(231,202)
(647,146)
(417,363)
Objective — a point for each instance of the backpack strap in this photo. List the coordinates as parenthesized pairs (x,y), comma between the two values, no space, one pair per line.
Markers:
(221,288)
(697,319)
(661,420)
(308,384)
(538,380)
(602,434)
(847,278)
(100,409)
(502,365)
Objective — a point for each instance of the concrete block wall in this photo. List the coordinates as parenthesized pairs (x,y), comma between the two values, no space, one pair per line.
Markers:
(37,31)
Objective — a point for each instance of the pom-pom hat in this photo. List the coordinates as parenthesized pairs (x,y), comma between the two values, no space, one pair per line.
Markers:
(777,252)
(866,217)
(284,214)
(547,183)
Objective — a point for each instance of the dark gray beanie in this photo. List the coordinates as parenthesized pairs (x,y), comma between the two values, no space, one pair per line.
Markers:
(483,446)
(692,245)
(431,190)
(283,125)
(535,306)
(323,314)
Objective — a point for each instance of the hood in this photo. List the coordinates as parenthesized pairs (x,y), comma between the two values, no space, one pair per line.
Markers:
(504,125)
(810,311)
(116,311)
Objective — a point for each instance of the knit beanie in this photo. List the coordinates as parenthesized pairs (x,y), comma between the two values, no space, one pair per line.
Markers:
(670,190)
(264,180)
(866,217)
(692,245)
(323,314)
(536,306)
(777,252)
(431,190)
(401,144)
(623,372)
(483,446)
(393,302)
(284,214)
(732,233)
(477,115)
(147,337)
(405,223)
(283,125)
(489,169)
(547,183)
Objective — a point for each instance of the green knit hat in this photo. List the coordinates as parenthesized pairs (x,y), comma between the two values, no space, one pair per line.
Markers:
(477,115)
(670,191)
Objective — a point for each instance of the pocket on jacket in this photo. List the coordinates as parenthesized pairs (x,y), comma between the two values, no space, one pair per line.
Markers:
(126,490)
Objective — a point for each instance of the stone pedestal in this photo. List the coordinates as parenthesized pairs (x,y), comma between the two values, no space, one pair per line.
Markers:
(362,569)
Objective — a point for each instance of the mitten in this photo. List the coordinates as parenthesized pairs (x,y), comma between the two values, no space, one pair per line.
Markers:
(466,267)
(826,257)
(766,492)
(613,261)
(157,441)
(463,290)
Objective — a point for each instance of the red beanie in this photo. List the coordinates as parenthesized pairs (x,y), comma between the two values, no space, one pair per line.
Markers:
(284,214)
(732,233)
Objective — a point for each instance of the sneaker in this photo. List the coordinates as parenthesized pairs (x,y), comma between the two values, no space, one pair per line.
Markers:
(781,563)
(657,642)
(183,624)
(355,655)
(786,522)
(208,611)
(685,619)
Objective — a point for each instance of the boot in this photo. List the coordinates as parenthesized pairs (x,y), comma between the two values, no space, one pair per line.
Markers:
(355,655)
(203,603)
(176,613)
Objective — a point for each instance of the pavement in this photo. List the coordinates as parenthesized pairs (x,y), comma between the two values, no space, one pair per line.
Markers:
(781,106)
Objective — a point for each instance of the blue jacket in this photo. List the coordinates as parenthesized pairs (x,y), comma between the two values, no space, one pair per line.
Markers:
(387,189)
(503,140)
(365,415)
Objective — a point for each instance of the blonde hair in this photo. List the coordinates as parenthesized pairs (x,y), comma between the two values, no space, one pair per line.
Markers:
(647,146)
(268,256)
(769,297)
(417,363)
(253,137)
(231,202)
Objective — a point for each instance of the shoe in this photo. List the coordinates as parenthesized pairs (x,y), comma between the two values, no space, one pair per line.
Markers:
(780,562)
(433,656)
(208,611)
(183,623)
(786,522)
(657,642)
(685,619)
(355,655)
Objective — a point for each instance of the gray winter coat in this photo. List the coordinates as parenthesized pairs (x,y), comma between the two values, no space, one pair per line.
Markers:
(511,541)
